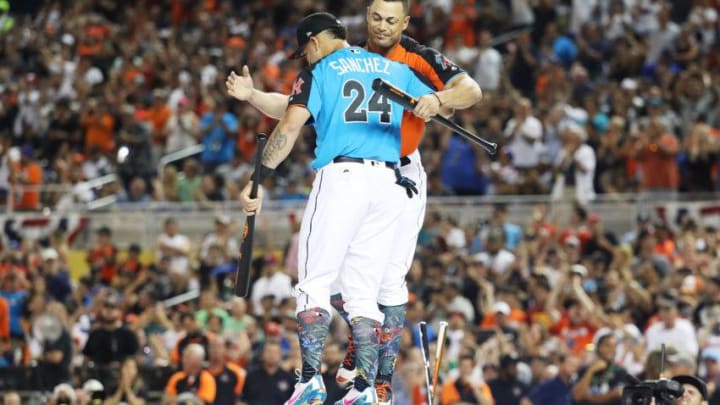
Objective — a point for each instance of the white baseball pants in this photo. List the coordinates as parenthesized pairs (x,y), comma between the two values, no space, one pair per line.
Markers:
(347,234)
(393,288)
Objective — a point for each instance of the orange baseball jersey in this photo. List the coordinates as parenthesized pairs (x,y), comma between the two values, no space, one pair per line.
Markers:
(202,385)
(229,383)
(4,322)
(435,69)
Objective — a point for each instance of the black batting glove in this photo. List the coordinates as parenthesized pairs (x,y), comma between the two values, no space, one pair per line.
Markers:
(406,183)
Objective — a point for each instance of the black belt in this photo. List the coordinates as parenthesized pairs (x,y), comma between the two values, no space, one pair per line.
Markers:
(347,159)
(404,161)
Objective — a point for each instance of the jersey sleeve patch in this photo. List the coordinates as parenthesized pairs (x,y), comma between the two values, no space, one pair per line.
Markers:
(443,67)
(301,88)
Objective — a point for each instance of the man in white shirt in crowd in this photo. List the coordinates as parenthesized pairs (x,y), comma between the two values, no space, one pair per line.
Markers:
(522,13)
(271,282)
(575,166)
(460,53)
(661,38)
(96,164)
(183,127)
(524,136)
(488,69)
(454,235)
(495,257)
(671,330)
(456,301)
(174,246)
(581,12)
(221,236)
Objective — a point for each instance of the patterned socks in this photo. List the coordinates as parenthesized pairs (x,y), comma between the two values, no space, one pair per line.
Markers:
(338,303)
(313,327)
(390,337)
(366,337)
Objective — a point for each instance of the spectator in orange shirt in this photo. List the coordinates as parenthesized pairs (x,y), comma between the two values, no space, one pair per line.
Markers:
(89,44)
(504,314)
(158,115)
(462,17)
(29,177)
(574,327)
(132,263)
(665,243)
(581,318)
(102,257)
(463,388)
(193,378)
(250,124)
(656,151)
(229,377)
(98,125)
(180,11)
(4,325)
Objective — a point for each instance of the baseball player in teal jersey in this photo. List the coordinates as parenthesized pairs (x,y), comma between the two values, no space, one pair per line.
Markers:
(352,214)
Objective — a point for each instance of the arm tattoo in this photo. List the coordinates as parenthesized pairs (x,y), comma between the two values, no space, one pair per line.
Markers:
(275,144)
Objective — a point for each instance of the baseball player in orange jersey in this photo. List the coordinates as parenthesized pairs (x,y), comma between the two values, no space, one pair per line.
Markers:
(387,19)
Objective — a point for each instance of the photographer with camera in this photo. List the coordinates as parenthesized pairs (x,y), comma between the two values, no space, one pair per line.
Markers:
(695,391)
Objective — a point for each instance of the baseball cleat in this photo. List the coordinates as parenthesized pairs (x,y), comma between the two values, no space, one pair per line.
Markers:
(345,377)
(384,393)
(355,397)
(310,393)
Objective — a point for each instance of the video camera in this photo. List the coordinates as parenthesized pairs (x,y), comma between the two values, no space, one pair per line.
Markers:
(664,391)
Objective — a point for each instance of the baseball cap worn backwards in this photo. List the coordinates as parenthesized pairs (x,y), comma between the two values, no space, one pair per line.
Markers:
(694,381)
(310,26)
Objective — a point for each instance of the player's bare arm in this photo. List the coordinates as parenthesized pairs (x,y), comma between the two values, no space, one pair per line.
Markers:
(460,93)
(241,87)
(278,148)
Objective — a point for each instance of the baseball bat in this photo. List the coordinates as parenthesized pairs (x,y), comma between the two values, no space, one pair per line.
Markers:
(442,332)
(242,275)
(409,102)
(425,343)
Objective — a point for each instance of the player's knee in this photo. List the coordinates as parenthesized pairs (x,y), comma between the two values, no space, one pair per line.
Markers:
(393,295)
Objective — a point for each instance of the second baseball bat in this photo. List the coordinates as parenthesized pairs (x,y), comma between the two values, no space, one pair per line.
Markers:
(409,102)
(242,275)
(425,343)
(439,348)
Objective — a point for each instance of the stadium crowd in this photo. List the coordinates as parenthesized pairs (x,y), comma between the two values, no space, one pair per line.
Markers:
(599,97)
(89,88)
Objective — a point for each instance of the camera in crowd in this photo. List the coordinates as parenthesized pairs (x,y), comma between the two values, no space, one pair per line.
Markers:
(663,390)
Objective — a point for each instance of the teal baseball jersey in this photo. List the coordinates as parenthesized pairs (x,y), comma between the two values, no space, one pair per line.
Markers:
(350,118)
